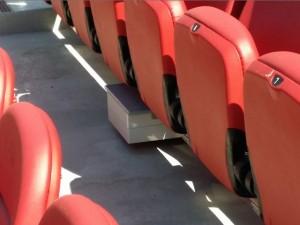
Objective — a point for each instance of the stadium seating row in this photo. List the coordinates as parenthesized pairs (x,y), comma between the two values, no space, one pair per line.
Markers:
(225,72)
(30,166)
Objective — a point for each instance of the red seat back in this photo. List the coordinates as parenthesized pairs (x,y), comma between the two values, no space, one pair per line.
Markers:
(76,210)
(272,129)
(204,59)
(30,164)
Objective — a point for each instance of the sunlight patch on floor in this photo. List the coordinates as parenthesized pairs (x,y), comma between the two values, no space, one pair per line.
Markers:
(65,184)
(191,185)
(56,26)
(208,198)
(169,158)
(221,216)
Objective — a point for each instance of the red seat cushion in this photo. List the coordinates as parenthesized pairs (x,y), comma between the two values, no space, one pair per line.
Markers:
(30,163)
(76,210)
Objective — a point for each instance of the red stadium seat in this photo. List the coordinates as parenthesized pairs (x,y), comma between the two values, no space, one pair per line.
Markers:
(150,31)
(272,109)
(61,7)
(213,50)
(76,210)
(30,164)
(109,19)
(7,81)
(84,23)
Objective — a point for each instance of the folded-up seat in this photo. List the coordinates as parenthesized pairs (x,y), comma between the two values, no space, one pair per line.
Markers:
(272,109)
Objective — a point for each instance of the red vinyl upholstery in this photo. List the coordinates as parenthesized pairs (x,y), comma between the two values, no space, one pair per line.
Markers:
(30,164)
(76,210)
(61,7)
(83,22)
(272,128)
(150,31)
(210,63)
(7,81)
(109,19)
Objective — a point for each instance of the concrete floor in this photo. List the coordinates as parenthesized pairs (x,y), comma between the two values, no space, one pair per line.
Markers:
(134,182)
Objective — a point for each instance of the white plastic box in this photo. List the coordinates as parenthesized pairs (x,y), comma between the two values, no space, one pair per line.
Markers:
(132,118)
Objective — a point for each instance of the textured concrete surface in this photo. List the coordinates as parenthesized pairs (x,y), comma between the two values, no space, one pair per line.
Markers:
(134,182)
